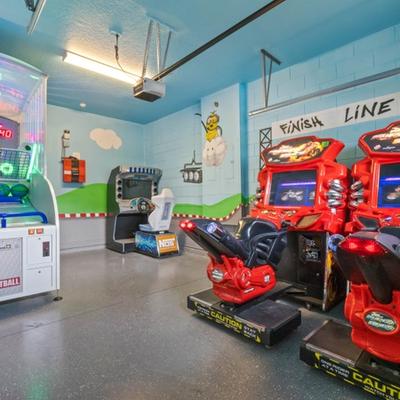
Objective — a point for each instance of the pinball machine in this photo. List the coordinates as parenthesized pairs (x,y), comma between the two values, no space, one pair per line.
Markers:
(303,186)
(366,351)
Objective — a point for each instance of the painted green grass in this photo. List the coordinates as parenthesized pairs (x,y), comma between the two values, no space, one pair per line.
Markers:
(93,199)
(86,199)
(217,210)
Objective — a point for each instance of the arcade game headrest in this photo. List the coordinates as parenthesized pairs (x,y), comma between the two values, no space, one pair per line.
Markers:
(160,218)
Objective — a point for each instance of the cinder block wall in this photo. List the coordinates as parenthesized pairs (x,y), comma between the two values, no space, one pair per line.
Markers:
(370,55)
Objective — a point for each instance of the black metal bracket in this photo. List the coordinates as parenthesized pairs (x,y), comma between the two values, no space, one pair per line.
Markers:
(267,84)
(31,5)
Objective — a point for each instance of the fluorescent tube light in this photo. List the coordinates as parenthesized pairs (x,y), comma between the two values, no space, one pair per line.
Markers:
(99,68)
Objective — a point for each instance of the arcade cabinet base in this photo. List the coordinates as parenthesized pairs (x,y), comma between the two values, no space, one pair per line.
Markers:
(330,349)
(122,246)
(262,320)
(156,244)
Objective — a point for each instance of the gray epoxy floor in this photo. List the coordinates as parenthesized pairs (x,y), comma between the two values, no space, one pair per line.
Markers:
(123,332)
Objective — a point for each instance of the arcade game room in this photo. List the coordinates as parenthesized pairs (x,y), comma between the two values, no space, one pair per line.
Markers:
(199,199)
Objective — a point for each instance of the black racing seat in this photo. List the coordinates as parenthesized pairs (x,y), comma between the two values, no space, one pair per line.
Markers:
(256,241)
(391,230)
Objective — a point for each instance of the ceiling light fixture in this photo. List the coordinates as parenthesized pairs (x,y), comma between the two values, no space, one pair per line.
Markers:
(99,68)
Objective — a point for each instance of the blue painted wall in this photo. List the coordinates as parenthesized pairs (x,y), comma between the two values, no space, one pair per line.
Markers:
(169,144)
(222,181)
(99,161)
(373,54)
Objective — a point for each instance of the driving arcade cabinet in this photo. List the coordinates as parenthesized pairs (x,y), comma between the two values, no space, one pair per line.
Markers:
(139,217)
(242,272)
(366,353)
(303,186)
(29,225)
(154,238)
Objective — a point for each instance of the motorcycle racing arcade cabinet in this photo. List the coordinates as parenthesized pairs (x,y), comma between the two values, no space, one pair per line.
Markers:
(242,271)
(367,353)
(303,185)
(379,169)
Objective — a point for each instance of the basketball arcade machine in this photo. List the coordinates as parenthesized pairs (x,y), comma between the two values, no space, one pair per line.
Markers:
(366,353)
(303,186)
(29,233)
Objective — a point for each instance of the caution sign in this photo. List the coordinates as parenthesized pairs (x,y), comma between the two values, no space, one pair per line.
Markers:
(247,330)
(353,376)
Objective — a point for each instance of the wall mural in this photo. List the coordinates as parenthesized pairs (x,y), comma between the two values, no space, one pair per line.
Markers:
(220,194)
(215,147)
(192,171)
(106,139)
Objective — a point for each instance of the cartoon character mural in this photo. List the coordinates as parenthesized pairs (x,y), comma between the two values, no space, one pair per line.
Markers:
(215,147)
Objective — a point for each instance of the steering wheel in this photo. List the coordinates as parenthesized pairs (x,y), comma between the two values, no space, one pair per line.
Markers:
(145,206)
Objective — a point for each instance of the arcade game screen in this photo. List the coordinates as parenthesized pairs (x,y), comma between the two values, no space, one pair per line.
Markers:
(132,188)
(295,188)
(389,186)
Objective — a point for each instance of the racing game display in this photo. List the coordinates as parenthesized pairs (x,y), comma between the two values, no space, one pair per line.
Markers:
(389,186)
(299,150)
(294,188)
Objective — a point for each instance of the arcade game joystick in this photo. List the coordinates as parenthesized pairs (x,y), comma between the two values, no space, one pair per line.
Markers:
(366,353)
(242,271)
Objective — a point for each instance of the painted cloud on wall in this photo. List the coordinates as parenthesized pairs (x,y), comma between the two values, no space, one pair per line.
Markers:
(106,139)
(214,151)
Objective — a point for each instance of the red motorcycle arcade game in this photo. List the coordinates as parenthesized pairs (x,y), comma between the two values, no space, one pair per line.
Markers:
(303,185)
(373,207)
(242,271)
(366,353)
